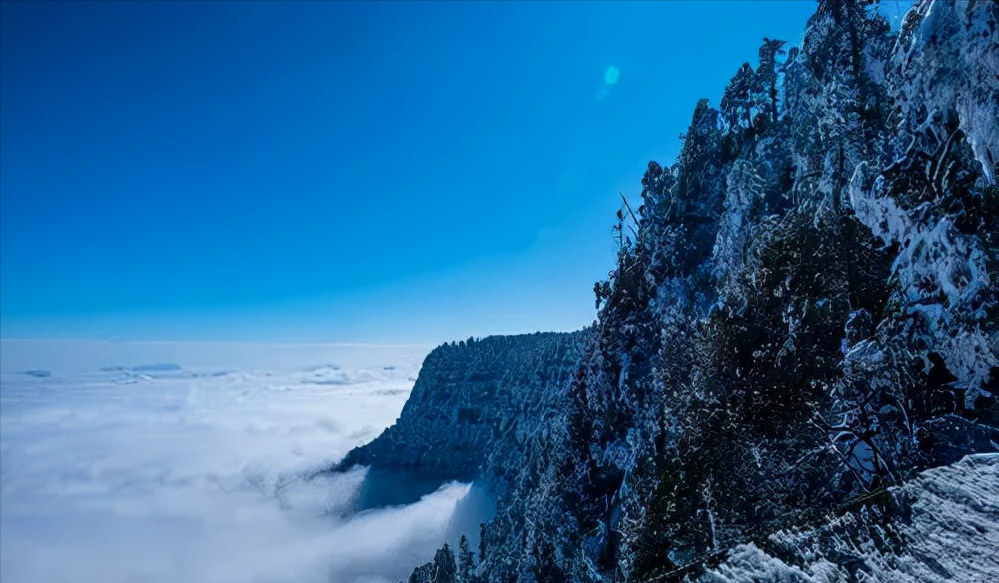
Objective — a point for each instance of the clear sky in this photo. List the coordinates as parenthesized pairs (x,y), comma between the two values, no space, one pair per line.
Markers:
(400,171)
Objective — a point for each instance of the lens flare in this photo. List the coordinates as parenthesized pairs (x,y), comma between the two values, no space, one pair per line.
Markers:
(611,75)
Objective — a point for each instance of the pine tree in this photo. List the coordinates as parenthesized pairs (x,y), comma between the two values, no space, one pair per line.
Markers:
(466,564)
(442,568)
(767,74)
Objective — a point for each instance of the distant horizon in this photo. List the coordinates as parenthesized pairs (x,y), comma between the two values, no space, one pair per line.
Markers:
(183,341)
(72,356)
(287,339)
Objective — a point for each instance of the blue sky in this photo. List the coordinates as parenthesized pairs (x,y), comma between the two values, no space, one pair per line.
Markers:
(394,172)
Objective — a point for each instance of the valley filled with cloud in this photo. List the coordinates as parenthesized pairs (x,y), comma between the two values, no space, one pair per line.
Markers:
(162,462)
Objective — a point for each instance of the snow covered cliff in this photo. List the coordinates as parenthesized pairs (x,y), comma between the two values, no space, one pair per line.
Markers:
(473,398)
(805,318)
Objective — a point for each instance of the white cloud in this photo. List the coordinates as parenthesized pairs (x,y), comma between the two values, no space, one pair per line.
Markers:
(201,474)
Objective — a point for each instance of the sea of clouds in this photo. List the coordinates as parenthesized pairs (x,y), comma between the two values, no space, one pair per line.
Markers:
(164,462)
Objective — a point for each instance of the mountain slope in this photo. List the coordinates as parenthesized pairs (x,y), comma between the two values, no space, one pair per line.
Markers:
(806,313)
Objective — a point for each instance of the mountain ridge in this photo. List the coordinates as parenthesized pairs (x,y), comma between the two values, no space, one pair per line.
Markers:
(804,314)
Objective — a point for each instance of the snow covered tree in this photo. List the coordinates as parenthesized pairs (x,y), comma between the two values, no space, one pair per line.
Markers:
(737,105)
(767,74)
(465,561)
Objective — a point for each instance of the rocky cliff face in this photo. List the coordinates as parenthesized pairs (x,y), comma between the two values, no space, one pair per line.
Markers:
(808,314)
(473,399)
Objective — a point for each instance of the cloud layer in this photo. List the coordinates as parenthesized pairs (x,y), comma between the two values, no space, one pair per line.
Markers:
(199,467)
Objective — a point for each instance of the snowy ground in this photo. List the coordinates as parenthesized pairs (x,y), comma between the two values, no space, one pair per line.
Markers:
(149,462)
(950,534)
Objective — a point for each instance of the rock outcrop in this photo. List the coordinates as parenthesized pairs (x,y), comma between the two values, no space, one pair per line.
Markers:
(472,399)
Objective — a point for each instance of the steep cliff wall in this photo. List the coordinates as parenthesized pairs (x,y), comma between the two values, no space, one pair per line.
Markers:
(810,310)
(809,313)
(472,399)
